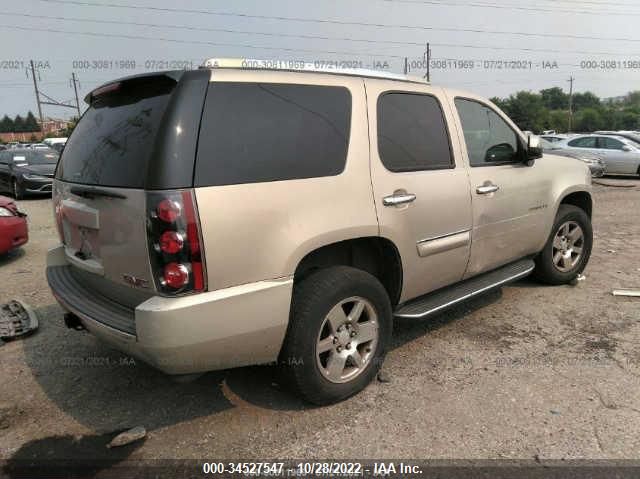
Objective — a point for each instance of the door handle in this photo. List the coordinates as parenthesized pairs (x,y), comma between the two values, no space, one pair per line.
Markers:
(398,199)
(486,189)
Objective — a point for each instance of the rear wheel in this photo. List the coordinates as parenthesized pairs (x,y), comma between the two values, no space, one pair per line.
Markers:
(339,330)
(18,191)
(568,248)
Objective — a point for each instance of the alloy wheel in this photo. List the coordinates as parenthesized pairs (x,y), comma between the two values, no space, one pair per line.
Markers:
(347,340)
(568,244)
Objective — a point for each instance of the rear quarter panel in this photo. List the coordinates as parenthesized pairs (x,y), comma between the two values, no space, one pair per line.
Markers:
(259,231)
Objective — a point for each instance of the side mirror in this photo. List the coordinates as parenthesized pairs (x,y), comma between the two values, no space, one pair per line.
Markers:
(627,148)
(534,149)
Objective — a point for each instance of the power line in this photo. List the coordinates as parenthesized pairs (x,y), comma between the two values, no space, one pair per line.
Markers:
(320,37)
(512,7)
(261,47)
(297,19)
(196,42)
(598,4)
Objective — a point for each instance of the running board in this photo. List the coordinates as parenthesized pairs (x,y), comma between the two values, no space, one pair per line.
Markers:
(446,297)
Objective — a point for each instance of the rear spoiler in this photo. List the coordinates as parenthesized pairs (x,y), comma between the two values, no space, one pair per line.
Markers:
(114,84)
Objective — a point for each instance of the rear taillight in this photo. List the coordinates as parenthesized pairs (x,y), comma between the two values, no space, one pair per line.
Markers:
(174,236)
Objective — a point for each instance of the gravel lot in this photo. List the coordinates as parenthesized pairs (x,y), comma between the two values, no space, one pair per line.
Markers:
(527,371)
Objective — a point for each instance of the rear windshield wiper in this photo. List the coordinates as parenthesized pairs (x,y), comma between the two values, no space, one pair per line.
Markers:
(91,192)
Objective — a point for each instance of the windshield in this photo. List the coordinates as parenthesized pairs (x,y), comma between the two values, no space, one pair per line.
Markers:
(43,157)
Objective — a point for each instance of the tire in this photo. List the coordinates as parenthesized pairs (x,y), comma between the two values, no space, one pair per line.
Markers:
(556,263)
(18,191)
(344,292)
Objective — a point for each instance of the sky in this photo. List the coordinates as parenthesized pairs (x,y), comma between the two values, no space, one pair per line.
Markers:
(490,47)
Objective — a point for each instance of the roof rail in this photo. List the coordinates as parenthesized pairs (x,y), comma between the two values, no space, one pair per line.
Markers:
(302,66)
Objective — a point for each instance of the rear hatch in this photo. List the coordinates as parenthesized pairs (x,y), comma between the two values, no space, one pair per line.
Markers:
(128,141)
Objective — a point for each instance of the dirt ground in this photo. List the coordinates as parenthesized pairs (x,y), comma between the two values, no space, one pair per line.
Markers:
(527,371)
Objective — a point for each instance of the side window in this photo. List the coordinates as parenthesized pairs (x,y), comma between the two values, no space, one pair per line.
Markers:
(259,132)
(584,142)
(412,134)
(609,143)
(3,157)
(490,140)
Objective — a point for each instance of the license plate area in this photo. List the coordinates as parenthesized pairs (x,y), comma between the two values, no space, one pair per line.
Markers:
(81,235)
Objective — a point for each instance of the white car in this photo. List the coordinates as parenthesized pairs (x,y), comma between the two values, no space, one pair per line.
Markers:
(620,155)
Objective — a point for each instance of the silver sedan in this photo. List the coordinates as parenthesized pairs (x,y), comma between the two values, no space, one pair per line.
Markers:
(595,163)
(620,155)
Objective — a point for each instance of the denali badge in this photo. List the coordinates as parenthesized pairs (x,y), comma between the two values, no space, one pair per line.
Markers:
(137,282)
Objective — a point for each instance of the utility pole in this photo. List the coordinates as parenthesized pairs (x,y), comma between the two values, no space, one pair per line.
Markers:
(35,86)
(428,54)
(570,103)
(75,89)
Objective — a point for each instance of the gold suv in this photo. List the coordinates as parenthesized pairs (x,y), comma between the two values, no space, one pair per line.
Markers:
(245,213)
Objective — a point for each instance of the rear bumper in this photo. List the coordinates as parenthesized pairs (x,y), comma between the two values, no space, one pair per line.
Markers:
(13,233)
(232,327)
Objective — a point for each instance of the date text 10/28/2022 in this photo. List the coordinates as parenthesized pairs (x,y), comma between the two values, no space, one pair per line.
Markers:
(304,469)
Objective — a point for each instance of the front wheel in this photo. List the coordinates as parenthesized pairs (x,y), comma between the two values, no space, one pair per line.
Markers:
(567,251)
(339,330)
(18,191)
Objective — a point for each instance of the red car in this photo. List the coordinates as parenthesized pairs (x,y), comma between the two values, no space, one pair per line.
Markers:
(13,226)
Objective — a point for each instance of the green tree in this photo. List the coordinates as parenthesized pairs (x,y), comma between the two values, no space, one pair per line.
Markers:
(588,120)
(633,100)
(6,125)
(558,120)
(554,98)
(628,120)
(31,123)
(527,111)
(18,124)
(585,100)
(500,103)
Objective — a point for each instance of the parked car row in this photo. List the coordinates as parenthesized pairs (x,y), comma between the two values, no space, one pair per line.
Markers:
(606,152)
(24,170)
(53,143)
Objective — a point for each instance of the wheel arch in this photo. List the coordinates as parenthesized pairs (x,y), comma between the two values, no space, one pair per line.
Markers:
(581,199)
(376,255)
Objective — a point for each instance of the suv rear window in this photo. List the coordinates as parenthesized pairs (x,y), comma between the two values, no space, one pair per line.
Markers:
(113,141)
(259,132)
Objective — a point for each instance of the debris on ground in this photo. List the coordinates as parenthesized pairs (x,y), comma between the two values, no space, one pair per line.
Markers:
(626,292)
(16,319)
(578,279)
(383,377)
(127,437)
(611,251)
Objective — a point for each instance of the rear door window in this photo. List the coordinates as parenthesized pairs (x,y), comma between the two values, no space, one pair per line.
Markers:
(609,143)
(585,142)
(113,142)
(412,134)
(260,132)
